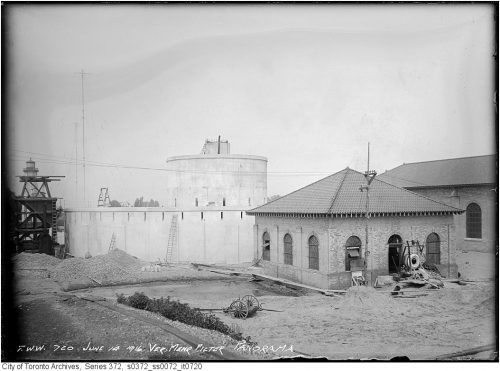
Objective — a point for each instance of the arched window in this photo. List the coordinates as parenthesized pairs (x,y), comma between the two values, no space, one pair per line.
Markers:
(473,221)
(196,202)
(313,253)
(266,246)
(395,245)
(288,251)
(352,254)
(224,201)
(433,249)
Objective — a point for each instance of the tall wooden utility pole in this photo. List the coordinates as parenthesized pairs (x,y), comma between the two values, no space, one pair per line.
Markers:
(76,164)
(369,176)
(82,73)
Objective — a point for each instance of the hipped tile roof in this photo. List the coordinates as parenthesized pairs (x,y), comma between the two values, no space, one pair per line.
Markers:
(441,173)
(340,194)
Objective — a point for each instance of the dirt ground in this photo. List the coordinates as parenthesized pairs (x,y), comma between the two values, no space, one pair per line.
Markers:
(474,265)
(365,323)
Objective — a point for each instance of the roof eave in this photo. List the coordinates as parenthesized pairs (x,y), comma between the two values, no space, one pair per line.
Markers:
(450,185)
(354,214)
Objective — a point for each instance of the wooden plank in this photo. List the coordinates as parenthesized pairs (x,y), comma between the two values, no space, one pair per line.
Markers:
(221,271)
(96,281)
(287,283)
(467,352)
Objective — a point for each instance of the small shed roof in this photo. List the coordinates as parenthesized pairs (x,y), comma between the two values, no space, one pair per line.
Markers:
(339,194)
(444,173)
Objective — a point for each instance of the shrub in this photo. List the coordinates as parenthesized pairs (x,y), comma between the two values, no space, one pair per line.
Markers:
(177,311)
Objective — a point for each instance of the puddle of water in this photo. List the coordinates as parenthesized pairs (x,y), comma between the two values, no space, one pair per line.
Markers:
(198,290)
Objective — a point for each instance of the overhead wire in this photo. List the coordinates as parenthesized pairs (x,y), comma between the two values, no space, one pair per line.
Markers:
(46,158)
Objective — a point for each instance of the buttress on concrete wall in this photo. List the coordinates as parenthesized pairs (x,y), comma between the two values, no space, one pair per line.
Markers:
(220,236)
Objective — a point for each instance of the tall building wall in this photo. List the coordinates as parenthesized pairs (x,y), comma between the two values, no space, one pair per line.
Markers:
(461,197)
(209,193)
(209,236)
(209,181)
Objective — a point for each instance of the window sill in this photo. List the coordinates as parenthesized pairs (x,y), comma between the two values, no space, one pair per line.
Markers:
(473,239)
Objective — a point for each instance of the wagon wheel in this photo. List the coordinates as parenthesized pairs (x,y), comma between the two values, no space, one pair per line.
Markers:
(239,309)
(251,301)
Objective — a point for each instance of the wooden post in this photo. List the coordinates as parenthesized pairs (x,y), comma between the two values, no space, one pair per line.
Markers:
(448,251)
(277,250)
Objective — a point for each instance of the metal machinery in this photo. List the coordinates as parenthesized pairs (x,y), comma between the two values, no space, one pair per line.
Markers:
(35,212)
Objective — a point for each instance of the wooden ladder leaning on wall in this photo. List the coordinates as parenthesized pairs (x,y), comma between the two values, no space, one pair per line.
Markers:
(171,238)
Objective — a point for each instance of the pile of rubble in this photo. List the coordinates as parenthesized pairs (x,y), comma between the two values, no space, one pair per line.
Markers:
(27,261)
(114,268)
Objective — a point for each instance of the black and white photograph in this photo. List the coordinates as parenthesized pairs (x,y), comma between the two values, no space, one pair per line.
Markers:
(248,182)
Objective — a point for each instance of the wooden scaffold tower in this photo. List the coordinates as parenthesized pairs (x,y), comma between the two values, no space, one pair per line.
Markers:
(35,212)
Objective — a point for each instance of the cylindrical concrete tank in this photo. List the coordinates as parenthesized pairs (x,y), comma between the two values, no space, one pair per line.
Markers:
(208,181)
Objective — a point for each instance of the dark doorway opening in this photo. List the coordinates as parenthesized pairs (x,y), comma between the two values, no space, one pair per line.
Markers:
(266,246)
(395,246)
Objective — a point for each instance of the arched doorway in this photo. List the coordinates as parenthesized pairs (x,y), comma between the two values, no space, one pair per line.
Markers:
(395,246)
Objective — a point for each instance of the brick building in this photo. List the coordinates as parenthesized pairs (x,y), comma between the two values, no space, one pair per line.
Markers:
(316,235)
(468,183)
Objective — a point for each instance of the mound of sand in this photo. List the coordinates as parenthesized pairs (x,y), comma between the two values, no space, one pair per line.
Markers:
(125,260)
(367,298)
(27,261)
(114,267)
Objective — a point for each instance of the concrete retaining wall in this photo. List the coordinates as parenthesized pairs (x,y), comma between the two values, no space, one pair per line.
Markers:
(144,233)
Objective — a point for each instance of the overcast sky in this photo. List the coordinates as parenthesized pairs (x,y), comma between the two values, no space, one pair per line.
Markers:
(307,86)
